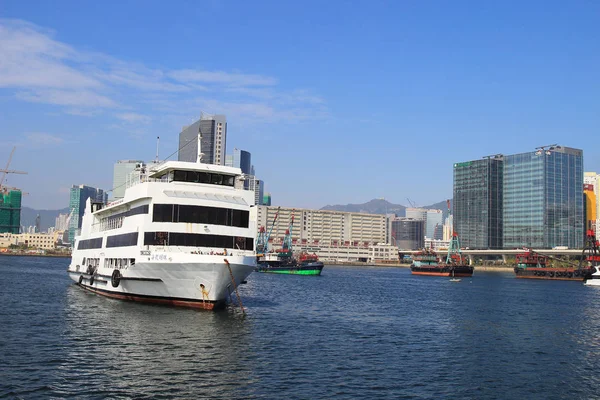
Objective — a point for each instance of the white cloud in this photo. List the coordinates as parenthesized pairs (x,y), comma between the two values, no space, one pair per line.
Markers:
(36,68)
(234,79)
(75,98)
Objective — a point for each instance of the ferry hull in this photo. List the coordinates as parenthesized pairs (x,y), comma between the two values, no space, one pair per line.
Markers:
(552,274)
(203,285)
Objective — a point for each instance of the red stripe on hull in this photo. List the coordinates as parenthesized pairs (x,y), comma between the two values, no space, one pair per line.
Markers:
(197,304)
(447,274)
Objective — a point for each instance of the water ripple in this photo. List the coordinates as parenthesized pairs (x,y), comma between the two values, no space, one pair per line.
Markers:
(376,333)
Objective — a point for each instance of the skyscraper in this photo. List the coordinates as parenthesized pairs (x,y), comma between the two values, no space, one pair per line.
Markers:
(543,198)
(78,197)
(213,129)
(433,224)
(242,159)
(532,199)
(258,187)
(121,171)
(478,191)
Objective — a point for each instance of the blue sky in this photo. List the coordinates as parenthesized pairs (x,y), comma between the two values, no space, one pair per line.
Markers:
(338,101)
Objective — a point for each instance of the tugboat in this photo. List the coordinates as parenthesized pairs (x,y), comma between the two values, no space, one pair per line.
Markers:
(283,261)
(426,262)
(532,265)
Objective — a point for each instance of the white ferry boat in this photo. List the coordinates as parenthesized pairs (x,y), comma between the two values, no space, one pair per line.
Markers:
(183,235)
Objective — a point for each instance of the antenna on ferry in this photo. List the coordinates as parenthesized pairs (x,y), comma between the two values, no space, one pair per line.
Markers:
(157,141)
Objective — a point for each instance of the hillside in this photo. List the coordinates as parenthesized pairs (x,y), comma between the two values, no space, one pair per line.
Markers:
(47,217)
(380,206)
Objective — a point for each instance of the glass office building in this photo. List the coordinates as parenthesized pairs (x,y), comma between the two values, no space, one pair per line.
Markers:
(78,197)
(543,199)
(408,233)
(478,188)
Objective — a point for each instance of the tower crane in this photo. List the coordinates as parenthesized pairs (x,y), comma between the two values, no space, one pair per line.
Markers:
(412,204)
(8,171)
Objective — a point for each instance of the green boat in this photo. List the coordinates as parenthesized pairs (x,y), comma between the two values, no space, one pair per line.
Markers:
(283,261)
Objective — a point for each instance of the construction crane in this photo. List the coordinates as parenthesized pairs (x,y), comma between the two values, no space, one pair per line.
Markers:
(262,245)
(412,204)
(8,171)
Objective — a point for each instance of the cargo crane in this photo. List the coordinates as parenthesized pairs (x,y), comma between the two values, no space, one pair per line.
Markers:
(454,254)
(286,248)
(262,241)
(8,171)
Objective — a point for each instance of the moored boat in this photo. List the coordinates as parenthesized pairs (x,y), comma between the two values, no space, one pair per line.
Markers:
(283,261)
(183,235)
(426,262)
(533,265)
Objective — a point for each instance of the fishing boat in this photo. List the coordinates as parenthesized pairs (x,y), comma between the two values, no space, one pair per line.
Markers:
(533,265)
(283,261)
(426,262)
(183,235)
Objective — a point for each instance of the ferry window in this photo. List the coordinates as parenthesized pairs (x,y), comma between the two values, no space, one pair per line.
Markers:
(192,176)
(162,213)
(132,261)
(216,179)
(200,215)
(204,177)
(228,180)
(179,176)
(124,240)
(200,240)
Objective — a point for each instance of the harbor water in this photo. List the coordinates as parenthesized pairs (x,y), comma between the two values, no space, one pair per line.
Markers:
(353,332)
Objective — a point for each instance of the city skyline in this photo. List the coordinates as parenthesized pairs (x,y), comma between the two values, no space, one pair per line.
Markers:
(426,91)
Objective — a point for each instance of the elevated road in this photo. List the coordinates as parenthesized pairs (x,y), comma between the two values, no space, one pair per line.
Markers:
(507,252)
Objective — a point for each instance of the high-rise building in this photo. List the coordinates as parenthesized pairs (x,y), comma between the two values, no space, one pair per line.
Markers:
(408,233)
(532,199)
(593,178)
(78,197)
(416,213)
(267,199)
(257,186)
(10,211)
(433,220)
(229,160)
(242,159)
(590,207)
(434,223)
(213,129)
(543,198)
(61,222)
(478,199)
(121,171)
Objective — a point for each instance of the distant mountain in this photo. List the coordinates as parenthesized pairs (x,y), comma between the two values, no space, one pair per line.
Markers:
(380,206)
(47,217)
(375,206)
